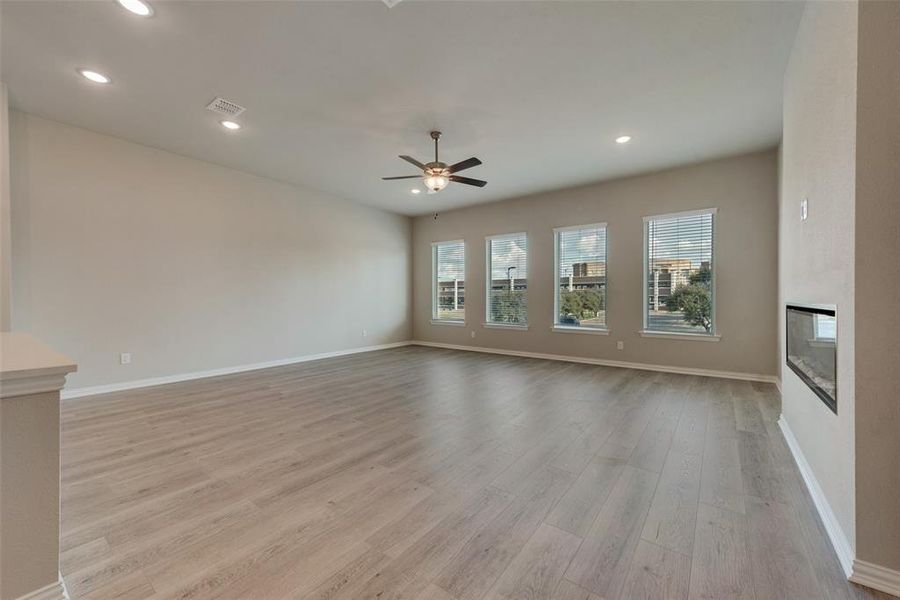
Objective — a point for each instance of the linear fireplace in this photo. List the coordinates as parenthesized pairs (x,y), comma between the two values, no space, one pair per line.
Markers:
(811,349)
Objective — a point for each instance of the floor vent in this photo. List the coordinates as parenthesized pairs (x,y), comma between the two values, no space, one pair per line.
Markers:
(225,107)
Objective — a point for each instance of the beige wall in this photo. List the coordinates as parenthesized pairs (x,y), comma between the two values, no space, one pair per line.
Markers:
(5,237)
(29,462)
(190,266)
(816,255)
(878,285)
(743,188)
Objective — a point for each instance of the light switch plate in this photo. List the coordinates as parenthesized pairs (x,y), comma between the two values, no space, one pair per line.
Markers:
(125,358)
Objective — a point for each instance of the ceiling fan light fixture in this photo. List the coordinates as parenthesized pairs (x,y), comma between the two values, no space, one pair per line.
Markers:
(436,182)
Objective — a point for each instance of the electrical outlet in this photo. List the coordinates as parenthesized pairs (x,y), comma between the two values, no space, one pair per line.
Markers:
(804,209)
(365,333)
(125,358)
(472,333)
(620,345)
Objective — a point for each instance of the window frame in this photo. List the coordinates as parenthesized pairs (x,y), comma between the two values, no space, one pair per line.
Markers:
(557,327)
(713,335)
(435,319)
(488,281)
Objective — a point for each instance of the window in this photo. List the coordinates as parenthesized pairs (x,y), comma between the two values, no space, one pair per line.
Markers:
(678,273)
(824,328)
(580,294)
(449,281)
(507,279)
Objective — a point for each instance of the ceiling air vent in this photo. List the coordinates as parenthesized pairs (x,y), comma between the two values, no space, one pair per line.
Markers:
(225,107)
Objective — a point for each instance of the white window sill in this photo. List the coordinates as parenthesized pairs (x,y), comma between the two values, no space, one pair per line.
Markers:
(448,322)
(669,335)
(505,326)
(587,330)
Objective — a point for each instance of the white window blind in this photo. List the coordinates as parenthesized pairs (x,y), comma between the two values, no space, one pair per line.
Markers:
(448,293)
(581,276)
(507,285)
(679,273)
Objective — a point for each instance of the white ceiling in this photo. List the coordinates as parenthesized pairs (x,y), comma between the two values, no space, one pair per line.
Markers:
(336,90)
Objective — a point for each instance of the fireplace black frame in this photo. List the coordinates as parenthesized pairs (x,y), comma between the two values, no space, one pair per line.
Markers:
(822,394)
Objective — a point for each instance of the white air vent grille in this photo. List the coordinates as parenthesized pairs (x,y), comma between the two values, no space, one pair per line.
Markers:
(225,107)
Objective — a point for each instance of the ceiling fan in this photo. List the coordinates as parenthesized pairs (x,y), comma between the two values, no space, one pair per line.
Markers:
(436,175)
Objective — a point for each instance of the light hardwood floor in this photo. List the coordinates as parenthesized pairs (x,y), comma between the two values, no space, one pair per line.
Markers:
(428,474)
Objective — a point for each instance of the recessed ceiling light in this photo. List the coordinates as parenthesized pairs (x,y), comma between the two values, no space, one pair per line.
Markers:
(94,76)
(230,125)
(415,191)
(623,139)
(137,7)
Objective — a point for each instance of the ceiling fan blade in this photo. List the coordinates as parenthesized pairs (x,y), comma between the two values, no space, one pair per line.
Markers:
(468,181)
(413,161)
(403,177)
(465,164)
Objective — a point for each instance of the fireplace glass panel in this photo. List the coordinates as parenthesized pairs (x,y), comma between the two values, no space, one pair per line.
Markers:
(812,349)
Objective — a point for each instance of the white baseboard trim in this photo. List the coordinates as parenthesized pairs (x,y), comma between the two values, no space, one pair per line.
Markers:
(141,383)
(606,363)
(876,577)
(839,540)
(54,591)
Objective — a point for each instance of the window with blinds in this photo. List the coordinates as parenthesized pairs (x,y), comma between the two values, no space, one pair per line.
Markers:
(449,291)
(679,273)
(507,279)
(580,295)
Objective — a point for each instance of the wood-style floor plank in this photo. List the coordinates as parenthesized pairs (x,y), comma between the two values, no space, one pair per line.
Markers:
(431,474)
(720,481)
(577,509)
(479,563)
(656,572)
(779,565)
(536,572)
(671,520)
(566,590)
(721,560)
(608,547)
